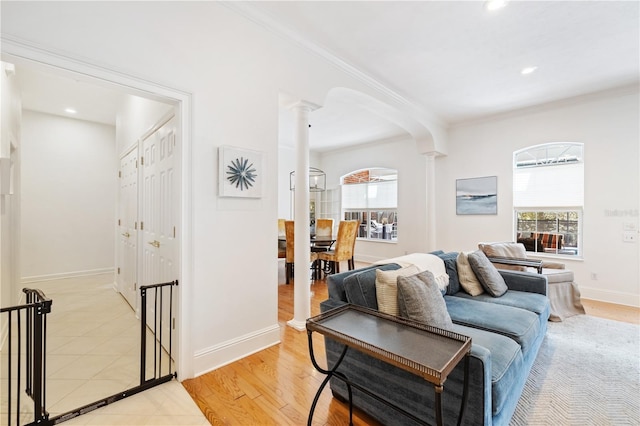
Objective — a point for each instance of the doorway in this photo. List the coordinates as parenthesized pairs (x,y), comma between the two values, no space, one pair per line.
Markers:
(163,178)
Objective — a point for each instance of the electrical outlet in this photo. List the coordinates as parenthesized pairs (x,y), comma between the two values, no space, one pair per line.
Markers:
(630,236)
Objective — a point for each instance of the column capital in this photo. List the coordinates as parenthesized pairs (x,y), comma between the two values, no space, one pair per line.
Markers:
(302,104)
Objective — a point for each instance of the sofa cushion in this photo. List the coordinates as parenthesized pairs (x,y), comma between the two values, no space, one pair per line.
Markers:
(419,299)
(360,287)
(387,288)
(507,362)
(532,302)
(451,267)
(487,274)
(520,325)
(511,250)
(468,280)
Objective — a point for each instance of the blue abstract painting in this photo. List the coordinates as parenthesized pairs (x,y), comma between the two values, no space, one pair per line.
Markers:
(477,195)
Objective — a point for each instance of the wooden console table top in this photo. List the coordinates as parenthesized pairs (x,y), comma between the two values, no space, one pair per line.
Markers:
(428,352)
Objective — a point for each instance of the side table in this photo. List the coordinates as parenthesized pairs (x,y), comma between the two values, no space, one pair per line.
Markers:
(428,352)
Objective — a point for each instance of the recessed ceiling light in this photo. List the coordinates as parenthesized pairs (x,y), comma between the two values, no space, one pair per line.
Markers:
(495,4)
(528,70)
(70,111)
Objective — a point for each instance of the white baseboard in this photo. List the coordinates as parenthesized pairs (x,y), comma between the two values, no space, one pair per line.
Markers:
(617,297)
(230,351)
(63,275)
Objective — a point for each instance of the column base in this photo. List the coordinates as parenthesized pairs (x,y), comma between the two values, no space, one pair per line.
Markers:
(298,325)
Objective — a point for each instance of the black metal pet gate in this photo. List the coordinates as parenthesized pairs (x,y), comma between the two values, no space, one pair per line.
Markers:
(26,326)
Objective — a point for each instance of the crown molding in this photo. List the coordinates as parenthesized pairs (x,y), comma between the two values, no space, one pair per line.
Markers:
(266,21)
(627,89)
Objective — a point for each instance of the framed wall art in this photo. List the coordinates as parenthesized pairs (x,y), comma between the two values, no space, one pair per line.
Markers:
(240,172)
(477,195)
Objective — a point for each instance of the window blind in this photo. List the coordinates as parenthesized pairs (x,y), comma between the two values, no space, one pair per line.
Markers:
(372,195)
(549,186)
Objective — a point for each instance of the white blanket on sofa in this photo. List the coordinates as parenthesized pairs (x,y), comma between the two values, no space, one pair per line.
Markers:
(424,262)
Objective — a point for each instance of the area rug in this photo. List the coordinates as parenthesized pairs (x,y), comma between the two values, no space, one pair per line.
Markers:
(587,373)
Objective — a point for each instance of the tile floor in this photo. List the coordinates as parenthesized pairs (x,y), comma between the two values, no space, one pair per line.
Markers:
(93,349)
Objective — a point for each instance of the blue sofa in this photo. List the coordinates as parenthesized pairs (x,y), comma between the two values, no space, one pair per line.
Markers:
(506,334)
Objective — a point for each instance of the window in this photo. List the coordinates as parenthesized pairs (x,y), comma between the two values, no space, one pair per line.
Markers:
(371,197)
(548,197)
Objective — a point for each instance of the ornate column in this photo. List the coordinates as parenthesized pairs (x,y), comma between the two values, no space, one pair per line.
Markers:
(302,279)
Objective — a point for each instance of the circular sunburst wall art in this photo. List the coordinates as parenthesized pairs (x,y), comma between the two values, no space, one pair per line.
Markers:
(240,172)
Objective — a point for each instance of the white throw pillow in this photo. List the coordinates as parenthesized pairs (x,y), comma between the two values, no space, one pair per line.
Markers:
(466,276)
(387,288)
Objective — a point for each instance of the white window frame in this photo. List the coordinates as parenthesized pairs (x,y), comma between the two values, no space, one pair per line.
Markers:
(384,232)
(558,186)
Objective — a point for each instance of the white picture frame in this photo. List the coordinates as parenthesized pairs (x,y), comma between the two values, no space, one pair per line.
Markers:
(240,172)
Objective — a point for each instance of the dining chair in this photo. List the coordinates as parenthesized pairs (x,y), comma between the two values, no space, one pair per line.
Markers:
(324,228)
(282,245)
(344,247)
(290,251)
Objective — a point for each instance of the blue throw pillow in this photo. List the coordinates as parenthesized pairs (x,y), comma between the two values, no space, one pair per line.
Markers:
(451,267)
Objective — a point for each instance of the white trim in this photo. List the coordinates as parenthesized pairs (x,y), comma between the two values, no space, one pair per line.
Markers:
(608,296)
(21,51)
(64,275)
(217,356)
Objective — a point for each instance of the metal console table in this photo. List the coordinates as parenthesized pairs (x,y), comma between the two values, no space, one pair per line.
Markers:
(428,352)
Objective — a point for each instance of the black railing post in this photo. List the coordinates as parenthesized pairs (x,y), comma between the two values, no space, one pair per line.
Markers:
(143,334)
(39,367)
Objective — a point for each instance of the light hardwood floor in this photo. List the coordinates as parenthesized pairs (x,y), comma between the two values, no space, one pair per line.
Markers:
(276,386)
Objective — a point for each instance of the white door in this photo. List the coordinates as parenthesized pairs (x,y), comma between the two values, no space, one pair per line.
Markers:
(127,227)
(159,205)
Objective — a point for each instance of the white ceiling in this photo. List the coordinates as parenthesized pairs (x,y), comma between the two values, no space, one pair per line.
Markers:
(454,60)
(47,92)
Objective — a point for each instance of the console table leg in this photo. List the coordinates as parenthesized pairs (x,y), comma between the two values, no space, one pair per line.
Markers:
(465,389)
(438,405)
(329,374)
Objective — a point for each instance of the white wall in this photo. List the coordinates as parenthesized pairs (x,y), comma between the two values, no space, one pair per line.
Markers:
(136,115)
(234,70)
(68,196)
(10,113)
(608,126)
(400,154)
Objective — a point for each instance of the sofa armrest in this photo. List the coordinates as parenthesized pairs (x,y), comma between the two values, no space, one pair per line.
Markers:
(519,262)
(553,265)
(525,281)
(330,304)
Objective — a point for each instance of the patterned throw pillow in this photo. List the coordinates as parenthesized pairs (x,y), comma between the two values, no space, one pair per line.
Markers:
(487,274)
(466,276)
(419,299)
(387,288)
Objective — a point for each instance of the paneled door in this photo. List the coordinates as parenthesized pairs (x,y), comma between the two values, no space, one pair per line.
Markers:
(128,227)
(159,205)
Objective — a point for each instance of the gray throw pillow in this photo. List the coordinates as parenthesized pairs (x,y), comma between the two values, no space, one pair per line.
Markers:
(419,299)
(487,274)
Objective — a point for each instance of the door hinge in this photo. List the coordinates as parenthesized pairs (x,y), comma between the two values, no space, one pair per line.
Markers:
(118,270)
(173,323)
(119,222)
(142,161)
(135,226)
(174,232)
(142,226)
(135,286)
(120,173)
